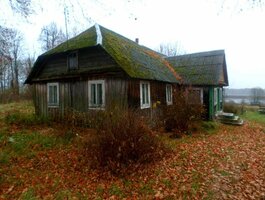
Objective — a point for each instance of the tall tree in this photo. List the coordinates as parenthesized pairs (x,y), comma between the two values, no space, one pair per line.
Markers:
(51,36)
(10,54)
(15,52)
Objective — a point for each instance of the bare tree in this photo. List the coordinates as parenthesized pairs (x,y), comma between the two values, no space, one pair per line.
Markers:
(11,46)
(27,65)
(22,7)
(257,94)
(51,36)
(16,53)
(171,49)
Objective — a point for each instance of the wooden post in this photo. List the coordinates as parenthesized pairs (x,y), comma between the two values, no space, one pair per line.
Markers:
(211,102)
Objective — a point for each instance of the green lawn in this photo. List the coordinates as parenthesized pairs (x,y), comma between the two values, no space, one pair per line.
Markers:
(254,116)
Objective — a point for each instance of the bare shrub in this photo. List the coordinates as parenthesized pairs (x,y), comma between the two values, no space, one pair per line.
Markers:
(233,108)
(122,140)
(91,119)
(183,114)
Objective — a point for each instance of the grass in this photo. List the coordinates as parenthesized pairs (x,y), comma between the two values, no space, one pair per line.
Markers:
(26,144)
(29,195)
(116,190)
(25,106)
(254,117)
(22,141)
(167,183)
(147,188)
(209,127)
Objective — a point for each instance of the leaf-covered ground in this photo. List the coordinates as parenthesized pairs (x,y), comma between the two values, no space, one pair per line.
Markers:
(42,162)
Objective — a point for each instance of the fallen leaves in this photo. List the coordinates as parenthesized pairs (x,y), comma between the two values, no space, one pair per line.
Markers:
(229,164)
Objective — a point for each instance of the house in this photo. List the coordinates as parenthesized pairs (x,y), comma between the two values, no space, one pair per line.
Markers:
(96,69)
(99,68)
(206,72)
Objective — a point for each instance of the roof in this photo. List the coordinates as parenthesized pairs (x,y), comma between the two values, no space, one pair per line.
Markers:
(205,68)
(136,60)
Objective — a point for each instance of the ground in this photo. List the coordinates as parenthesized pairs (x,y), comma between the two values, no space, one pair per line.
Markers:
(44,161)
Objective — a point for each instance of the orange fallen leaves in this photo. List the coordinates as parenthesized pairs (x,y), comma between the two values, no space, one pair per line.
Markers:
(227,165)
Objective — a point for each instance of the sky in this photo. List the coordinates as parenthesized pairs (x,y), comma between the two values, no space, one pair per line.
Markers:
(194,25)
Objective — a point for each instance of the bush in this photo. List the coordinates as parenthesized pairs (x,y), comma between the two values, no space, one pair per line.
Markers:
(122,140)
(182,115)
(91,119)
(234,108)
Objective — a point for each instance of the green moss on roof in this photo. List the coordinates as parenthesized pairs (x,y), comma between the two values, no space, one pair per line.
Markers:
(205,68)
(136,60)
(84,39)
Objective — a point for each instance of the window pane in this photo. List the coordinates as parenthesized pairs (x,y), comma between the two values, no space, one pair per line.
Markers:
(55,95)
(143,93)
(93,94)
(169,93)
(99,94)
(147,94)
(50,94)
(72,61)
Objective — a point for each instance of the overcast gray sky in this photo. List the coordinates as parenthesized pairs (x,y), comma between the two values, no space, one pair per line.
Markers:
(197,25)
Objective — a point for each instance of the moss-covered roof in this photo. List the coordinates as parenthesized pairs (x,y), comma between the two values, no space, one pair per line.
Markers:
(85,39)
(205,68)
(136,60)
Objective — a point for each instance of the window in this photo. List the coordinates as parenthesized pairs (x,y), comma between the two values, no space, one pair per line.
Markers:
(72,61)
(96,92)
(53,94)
(145,94)
(169,94)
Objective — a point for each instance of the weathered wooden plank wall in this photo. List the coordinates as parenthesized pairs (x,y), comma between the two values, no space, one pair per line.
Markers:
(73,95)
(116,92)
(40,99)
(90,59)
(157,92)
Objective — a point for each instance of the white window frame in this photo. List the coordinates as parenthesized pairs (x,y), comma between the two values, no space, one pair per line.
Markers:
(169,96)
(93,106)
(52,105)
(145,105)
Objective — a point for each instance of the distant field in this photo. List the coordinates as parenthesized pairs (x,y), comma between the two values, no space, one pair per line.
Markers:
(44,160)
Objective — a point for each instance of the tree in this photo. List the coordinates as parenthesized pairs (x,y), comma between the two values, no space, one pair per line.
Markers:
(15,52)
(51,36)
(171,49)
(23,7)
(257,94)
(11,45)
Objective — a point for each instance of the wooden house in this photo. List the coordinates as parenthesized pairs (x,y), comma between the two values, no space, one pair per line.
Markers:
(206,73)
(99,68)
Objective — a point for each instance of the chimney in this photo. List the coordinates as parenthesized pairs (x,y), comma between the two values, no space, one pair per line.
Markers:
(137,40)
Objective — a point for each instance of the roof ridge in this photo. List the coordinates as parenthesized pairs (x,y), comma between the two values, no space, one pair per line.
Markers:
(99,35)
(199,54)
